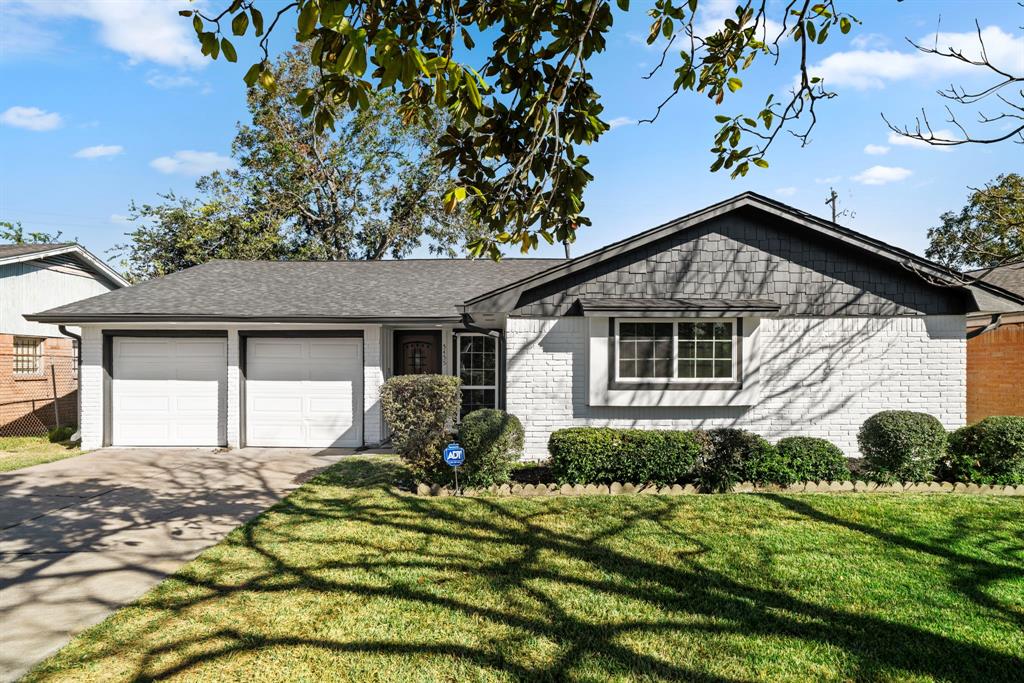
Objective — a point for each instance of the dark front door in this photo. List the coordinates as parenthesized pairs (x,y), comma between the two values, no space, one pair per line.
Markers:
(418,353)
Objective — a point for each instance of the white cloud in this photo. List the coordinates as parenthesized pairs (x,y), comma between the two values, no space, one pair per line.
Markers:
(145,30)
(876,150)
(164,81)
(31,118)
(903,141)
(22,37)
(882,175)
(866,69)
(120,219)
(97,151)
(787,191)
(190,162)
(829,180)
(866,41)
(620,121)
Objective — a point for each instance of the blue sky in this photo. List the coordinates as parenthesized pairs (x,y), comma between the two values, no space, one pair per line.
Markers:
(109,101)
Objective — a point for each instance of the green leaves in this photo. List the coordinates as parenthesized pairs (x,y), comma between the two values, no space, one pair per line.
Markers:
(229,50)
(516,126)
(240,23)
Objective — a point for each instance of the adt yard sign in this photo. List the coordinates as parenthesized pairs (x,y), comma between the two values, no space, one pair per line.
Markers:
(454,455)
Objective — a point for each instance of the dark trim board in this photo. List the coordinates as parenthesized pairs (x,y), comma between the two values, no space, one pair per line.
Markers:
(243,358)
(108,365)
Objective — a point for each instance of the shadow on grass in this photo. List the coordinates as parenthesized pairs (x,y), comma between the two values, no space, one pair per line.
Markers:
(685,597)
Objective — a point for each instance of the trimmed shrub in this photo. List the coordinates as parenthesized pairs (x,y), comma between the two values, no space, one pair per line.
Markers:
(900,445)
(585,455)
(737,455)
(58,434)
(421,411)
(805,458)
(493,441)
(987,452)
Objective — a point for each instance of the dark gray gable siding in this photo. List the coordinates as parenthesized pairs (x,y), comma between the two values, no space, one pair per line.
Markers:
(747,255)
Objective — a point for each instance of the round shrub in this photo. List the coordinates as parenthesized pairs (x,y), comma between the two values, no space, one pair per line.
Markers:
(900,445)
(987,452)
(421,411)
(805,458)
(584,455)
(737,455)
(493,441)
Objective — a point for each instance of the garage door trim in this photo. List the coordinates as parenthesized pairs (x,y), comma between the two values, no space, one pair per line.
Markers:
(108,365)
(243,346)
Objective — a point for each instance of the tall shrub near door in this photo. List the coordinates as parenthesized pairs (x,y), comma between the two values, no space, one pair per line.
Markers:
(421,411)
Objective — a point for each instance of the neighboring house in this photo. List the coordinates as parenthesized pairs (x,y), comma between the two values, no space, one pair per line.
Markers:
(38,363)
(748,313)
(995,351)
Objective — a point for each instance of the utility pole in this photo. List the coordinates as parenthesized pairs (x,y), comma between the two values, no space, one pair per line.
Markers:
(833,201)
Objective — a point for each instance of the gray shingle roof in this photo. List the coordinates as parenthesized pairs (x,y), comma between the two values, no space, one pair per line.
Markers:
(297,290)
(8,250)
(1010,277)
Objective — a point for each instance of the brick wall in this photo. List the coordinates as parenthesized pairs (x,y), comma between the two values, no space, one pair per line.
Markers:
(819,377)
(995,373)
(27,401)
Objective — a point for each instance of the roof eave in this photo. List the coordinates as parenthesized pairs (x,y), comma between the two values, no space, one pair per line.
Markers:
(58,318)
(99,266)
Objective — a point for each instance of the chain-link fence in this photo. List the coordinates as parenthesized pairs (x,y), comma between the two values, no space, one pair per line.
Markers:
(37,393)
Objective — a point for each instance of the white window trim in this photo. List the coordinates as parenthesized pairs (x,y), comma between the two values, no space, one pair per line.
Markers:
(497,363)
(675,352)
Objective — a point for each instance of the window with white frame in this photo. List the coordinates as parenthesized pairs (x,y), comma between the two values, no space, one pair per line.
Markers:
(683,350)
(28,355)
(477,367)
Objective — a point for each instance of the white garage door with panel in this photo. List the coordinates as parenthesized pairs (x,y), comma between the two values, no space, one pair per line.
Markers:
(169,391)
(303,391)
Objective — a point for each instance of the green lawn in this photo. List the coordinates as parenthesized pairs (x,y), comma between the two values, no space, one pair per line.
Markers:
(348,580)
(23,451)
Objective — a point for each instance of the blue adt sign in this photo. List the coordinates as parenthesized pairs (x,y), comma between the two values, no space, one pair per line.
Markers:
(454,455)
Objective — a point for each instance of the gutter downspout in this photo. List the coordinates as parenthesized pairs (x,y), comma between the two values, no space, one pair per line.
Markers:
(992,325)
(467,322)
(78,391)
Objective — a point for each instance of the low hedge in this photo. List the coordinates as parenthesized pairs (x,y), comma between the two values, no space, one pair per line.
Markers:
(806,458)
(901,445)
(987,452)
(493,442)
(585,455)
(738,455)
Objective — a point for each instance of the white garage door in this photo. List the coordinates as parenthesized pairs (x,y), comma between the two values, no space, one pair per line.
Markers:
(169,391)
(303,392)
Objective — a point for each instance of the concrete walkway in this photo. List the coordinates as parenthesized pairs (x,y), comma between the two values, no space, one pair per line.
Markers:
(83,536)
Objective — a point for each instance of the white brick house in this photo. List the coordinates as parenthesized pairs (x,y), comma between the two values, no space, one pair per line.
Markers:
(748,313)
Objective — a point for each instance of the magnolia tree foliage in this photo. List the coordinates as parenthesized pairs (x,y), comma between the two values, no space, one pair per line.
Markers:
(368,187)
(987,232)
(521,106)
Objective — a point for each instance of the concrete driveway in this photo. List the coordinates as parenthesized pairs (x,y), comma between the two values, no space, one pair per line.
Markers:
(83,536)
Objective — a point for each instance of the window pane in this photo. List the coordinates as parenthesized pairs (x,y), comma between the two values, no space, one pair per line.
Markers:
(705,349)
(663,348)
(663,367)
(705,368)
(687,349)
(645,349)
(723,349)
(686,368)
(645,367)
(705,330)
(475,399)
(627,368)
(627,331)
(723,368)
(723,330)
(686,331)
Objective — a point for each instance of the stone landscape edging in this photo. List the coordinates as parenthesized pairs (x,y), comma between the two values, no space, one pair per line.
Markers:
(617,488)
